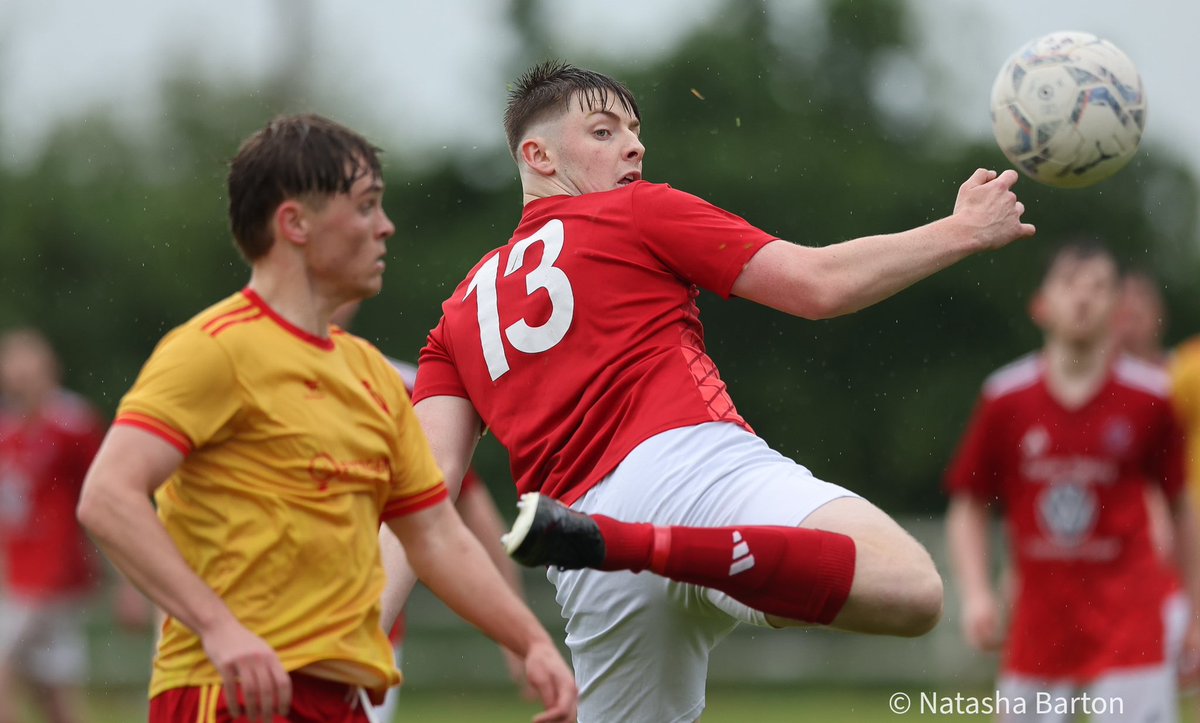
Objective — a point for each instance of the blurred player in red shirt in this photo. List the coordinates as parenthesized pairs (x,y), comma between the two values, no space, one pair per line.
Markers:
(578,344)
(1062,443)
(48,437)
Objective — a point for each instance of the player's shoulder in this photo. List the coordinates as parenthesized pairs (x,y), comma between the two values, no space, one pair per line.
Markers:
(200,338)
(1143,376)
(231,312)
(1016,376)
(71,413)
(1187,355)
(356,346)
(407,371)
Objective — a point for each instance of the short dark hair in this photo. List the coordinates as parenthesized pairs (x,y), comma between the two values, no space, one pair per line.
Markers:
(1077,250)
(298,156)
(548,87)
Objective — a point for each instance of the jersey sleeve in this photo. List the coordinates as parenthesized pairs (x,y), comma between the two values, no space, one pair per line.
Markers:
(703,244)
(438,374)
(187,392)
(974,469)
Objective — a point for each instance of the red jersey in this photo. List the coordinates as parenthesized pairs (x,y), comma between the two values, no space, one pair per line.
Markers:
(581,338)
(43,461)
(1090,586)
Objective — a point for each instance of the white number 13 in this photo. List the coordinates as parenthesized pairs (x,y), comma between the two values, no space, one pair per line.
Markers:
(523,337)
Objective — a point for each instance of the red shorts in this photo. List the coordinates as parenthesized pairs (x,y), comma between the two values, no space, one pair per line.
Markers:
(314,700)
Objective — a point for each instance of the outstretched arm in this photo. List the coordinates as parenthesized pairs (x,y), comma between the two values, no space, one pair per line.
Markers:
(453,429)
(114,506)
(452,563)
(1187,558)
(828,281)
(967,529)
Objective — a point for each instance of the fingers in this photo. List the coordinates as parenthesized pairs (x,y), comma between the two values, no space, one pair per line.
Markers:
(229,686)
(256,694)
(1006,179)
(555,687)
(266,692)
(283,690)
(978,178)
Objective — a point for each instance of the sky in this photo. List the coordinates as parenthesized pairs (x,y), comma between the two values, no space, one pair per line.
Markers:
(431,75)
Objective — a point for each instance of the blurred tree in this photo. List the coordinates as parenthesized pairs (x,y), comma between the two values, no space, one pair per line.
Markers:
(772,112)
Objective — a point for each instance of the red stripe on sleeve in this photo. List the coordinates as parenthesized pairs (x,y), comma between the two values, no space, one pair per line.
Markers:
(158,428)
(415,503)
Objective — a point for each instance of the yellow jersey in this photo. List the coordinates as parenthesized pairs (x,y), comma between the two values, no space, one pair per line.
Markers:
(1185,391)
(296,448)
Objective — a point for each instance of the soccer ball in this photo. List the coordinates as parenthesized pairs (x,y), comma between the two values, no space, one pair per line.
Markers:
(1068,109)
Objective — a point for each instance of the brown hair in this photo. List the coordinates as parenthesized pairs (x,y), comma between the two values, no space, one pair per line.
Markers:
(1078,250)
(548,87)
(300,156)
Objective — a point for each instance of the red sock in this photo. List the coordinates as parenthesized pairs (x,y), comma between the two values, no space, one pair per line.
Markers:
(793,572)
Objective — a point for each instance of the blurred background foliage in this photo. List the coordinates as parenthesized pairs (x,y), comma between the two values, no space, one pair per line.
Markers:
(108,240)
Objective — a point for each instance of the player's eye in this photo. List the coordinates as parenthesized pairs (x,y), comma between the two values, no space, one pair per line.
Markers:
(602,133)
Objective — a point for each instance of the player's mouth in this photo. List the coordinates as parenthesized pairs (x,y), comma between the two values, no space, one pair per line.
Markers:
(629,178)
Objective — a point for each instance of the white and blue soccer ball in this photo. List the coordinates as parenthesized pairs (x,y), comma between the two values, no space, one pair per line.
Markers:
(1068,109)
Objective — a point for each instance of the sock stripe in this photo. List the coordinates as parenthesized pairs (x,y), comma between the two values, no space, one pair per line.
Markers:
(661,550)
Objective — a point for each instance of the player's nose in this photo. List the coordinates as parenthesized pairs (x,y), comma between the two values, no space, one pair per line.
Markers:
(635,150)
(387,228)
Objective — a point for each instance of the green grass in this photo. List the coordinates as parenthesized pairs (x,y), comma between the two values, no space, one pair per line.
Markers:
(725,705)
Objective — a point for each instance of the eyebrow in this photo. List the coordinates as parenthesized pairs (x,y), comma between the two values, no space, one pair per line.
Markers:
(635,124)
(375,187)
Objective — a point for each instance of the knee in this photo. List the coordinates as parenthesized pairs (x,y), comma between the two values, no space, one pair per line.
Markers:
(920,608)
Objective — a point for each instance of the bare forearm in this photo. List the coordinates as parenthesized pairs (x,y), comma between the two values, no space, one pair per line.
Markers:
(452,563)
(967,537)
(481,517)
(818,283)
(1187,552)
(865,271)
(124,525)
(399,577)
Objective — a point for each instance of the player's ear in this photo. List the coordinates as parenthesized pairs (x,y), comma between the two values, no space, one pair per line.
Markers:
(1037,309)
(535,153)
(291,221)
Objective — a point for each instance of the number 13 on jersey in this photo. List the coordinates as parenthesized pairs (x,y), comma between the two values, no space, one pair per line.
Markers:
(522,336)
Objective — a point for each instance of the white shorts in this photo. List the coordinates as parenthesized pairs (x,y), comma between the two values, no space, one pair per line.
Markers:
(1144,693)
(44,640)
(639,642)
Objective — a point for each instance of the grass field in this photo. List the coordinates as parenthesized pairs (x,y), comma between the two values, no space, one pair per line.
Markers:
(759,705)
(725,705)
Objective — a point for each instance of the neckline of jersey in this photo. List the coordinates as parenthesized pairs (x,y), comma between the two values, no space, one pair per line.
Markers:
(567,196)
(322,344)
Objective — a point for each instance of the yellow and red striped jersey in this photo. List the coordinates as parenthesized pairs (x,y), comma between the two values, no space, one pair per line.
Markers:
(296,448)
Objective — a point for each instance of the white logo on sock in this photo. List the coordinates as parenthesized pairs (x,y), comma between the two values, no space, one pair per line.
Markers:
(742,559)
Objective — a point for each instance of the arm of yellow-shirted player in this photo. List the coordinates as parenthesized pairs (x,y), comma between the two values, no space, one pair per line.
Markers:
(452,428)
(114,507)
(967,535)
(827,281)
(479,513)
(1187,558)
(453,564)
